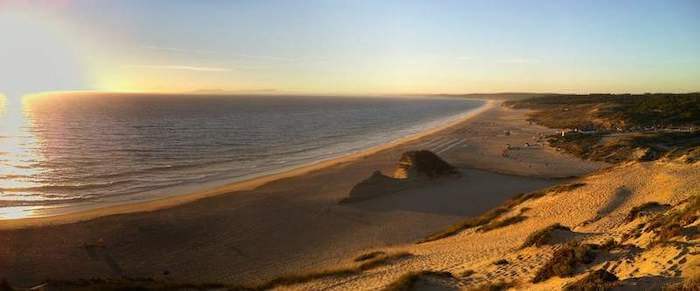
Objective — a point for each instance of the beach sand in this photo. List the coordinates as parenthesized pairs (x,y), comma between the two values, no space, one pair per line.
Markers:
(596,212)
(291,222)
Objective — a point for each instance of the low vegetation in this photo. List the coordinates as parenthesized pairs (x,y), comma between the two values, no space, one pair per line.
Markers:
(645,209)
(565,187)
(689,284)
(408,281)
(502,223)
(121,284)
(368,256)
(691,278)
(609,111)
(543,236)
(596,280)
(617,128)
(468,223)
(494,213)
(669,225)
(621,147)
(494,286)
(367,264)
(467,273)
(149,284)
(565,261)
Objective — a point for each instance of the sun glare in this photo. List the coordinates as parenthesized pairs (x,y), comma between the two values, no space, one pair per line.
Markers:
(36,56)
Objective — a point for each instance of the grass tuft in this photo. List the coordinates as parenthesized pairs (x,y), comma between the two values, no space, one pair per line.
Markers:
(645,210)
(496,286)
(488,216)
(596,280)
(667,226)
(565,261)
(502,223)
(368,256)
(543,236)
(408,281)
(371,263)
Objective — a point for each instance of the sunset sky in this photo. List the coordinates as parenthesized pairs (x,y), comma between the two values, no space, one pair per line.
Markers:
(350,47)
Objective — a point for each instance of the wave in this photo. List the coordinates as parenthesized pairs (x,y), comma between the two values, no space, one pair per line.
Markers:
(64,188)
(122,153)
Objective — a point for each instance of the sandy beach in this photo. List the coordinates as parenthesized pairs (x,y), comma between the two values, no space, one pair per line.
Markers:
(291,222)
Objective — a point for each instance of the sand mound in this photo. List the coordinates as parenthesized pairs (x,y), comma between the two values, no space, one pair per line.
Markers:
(422,164)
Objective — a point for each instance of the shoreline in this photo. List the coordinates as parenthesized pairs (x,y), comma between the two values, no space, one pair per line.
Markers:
(243,185)
(292,223)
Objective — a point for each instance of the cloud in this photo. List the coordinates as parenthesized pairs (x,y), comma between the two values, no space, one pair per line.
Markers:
(207,52)
(465,59)
(518,61)
(177,68)
(178,50)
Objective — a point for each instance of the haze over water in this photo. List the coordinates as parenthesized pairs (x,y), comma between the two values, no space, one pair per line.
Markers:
(85,151)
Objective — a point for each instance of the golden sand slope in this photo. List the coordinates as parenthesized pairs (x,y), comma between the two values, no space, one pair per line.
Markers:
(595,212)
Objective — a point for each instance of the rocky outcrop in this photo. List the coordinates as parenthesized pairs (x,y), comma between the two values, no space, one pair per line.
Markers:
(422,164)
(413,167)
(375,185)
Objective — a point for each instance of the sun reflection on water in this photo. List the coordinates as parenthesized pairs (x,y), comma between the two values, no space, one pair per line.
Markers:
(16,212)
(18,149)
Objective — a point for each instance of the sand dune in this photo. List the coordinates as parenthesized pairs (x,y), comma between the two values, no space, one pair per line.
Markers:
(639,263)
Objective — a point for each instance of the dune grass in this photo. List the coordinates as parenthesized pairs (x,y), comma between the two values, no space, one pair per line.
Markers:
(669,225)
(467,273)
(368,256)
(609,114)
(494,213)
(565,187)
(502,223)
(691,278)
(408,281)
(121,284)
(565,261)
(368,263)
(149,284)
(645,209)
(493,286)
(596,280)
(543,236)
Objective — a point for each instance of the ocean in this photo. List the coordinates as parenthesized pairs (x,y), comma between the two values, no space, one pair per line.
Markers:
(65,153)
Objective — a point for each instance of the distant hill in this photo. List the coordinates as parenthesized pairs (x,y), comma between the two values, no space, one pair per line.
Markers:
(499,96)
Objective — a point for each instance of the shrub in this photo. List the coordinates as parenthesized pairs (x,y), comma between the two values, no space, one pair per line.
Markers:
(565,261)
(543,236)
(596,280)
(502,223)
(644,209)
(408,281)
(497,286)
(368,256)
(367,264)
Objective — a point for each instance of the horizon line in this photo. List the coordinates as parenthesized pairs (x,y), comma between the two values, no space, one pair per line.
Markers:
(273,92)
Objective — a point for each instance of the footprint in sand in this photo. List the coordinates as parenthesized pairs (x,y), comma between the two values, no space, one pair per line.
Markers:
(99,252)
(621,195)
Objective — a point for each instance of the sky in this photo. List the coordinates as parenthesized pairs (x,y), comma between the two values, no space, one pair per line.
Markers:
(349,47)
